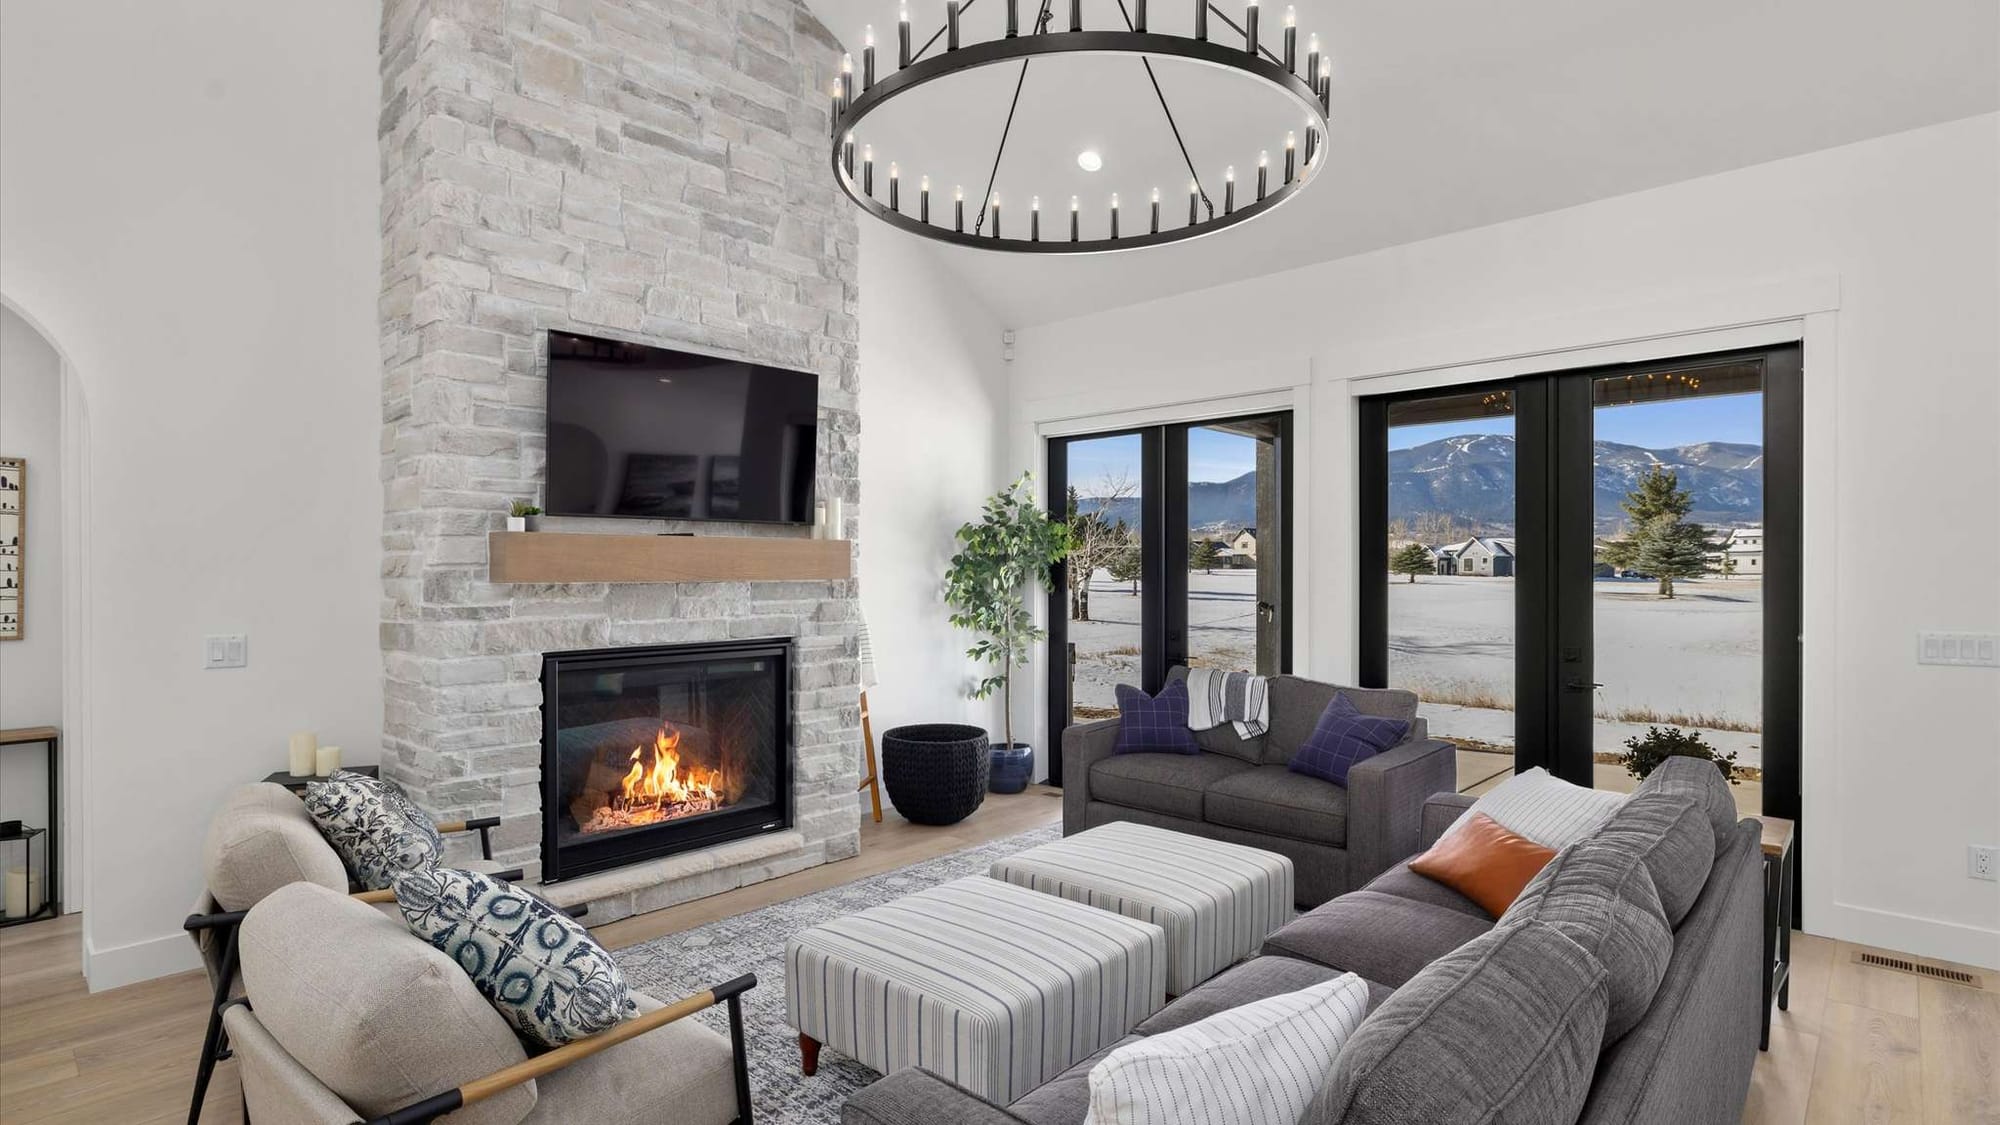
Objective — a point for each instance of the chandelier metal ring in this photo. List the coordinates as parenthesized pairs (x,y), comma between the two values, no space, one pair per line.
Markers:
(1022,48)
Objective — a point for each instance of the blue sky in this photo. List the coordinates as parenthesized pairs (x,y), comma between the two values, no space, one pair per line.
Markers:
(1212,456)
(1652,425)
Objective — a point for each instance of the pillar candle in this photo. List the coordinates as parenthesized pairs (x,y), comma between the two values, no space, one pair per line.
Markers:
(305,748)
(328,761)
(24,892)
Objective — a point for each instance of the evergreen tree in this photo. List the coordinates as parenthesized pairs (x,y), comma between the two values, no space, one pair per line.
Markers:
(1660,540)
(1202,557)
(1412,560)
(1126,563)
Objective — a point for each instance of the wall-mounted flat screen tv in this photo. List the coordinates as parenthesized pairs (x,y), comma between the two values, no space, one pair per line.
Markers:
(654,433)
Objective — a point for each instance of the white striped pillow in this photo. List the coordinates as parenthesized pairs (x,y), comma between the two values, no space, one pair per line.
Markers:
(1259,1064)
(1544,808)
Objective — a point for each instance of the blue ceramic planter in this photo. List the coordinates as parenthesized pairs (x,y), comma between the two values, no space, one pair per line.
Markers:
(1013,767)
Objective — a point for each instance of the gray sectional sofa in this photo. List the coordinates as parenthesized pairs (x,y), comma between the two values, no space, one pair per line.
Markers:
(1239,790)
(1621,987)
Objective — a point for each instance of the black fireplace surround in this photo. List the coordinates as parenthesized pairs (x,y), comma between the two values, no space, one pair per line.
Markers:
(648,751)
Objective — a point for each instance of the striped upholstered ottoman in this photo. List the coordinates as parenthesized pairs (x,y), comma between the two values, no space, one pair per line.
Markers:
(1217,901)
(993,986)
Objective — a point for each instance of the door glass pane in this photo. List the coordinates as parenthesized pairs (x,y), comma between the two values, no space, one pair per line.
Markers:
(1235,528)
(1104,576)
(1677,578)
(1451,552)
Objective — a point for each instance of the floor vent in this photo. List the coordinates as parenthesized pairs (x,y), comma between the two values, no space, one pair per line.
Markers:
(1918,968)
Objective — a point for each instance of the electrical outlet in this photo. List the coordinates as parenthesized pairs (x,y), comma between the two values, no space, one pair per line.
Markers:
(1978,650)
(225,650)
(1982,861)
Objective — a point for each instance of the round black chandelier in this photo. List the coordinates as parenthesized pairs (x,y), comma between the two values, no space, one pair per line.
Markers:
(855,97)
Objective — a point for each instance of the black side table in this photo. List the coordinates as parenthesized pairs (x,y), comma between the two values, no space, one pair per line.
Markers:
(51,738)
(297,782)
(1779,869)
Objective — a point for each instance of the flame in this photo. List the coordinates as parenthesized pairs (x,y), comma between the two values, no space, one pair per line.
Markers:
(664,783)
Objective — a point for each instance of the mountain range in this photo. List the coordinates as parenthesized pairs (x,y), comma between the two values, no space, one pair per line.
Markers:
(1470,478)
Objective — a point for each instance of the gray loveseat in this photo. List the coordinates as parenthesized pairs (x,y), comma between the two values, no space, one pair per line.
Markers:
(1552,1014)
(1237,790)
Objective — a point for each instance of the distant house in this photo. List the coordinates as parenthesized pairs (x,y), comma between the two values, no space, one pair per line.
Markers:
(1244,544)
(1743,545)
(1482,556)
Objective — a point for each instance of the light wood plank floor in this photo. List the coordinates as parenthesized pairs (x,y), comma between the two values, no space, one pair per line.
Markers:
(1858,1045)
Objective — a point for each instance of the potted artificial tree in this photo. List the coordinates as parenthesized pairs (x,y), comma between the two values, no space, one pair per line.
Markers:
(1000,558)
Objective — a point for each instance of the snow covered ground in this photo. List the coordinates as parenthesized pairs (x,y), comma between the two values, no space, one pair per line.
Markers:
(1698,656)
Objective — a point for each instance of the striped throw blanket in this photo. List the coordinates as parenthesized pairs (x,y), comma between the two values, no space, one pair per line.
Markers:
(1239,698)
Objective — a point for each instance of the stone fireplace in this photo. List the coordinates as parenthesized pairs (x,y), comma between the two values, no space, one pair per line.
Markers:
(635,169)
(658,749)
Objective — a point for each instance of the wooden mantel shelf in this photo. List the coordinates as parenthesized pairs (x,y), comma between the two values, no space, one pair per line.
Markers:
(556,557)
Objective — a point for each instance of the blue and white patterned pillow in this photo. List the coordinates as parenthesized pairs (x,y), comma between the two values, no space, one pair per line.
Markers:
(1342,737)
(377,831)
(533,963)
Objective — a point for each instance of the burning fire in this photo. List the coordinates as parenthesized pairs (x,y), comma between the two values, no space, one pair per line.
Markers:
(659,790)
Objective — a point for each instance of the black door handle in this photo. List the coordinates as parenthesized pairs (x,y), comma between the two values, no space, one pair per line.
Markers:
(1579,685)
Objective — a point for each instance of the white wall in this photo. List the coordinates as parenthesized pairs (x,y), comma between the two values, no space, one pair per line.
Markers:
(31,668)
(1882,257)
(188,207)
(933,410)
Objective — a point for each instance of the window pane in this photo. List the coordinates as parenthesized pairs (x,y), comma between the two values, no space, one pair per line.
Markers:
(1451,552)
(1235,581)
(1677,582)
(1104,582)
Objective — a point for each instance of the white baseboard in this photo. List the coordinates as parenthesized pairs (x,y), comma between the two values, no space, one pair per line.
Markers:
(1906,933)
(142,960)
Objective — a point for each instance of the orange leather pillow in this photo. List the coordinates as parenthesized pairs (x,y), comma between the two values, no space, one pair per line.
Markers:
(1484,862)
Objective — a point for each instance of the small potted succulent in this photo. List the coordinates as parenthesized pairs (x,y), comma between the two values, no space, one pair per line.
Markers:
(1644,753)
(522,512)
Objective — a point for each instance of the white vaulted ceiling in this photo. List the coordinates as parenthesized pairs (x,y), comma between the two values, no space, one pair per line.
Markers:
(1447,114)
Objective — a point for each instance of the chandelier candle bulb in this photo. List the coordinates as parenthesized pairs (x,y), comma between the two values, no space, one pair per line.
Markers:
(1263,166)
(1312,58)
(833,111)
(1250,27)
(958,209)
(1076,15)
(1291,40)
(1138,15)
(1194,202)
(895,196)
(1326,85)
(1013,18)
(1229,190)
(951,23)
(903,37)
(1035,219)
(924,199)
(1075,209)
(846,82)
(1201,20)
(996,214)
(1114,214)
(1291,156)
(868,170)
(867,57)
(847,153)
(1156,211)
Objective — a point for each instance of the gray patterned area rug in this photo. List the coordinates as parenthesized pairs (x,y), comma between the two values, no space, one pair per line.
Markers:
(678,964)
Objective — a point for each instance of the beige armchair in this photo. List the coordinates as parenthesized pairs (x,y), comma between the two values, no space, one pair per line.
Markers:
(262,839)
(348,1017)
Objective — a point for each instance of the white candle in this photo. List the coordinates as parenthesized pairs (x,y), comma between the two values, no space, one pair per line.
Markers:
(24,892)
(305,745)
(834,517)
(329,761)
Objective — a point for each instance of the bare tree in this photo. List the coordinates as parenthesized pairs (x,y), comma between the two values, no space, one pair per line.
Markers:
(1098,538)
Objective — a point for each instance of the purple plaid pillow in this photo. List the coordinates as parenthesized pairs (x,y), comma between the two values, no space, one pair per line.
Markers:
(1154,724)
(1342,737)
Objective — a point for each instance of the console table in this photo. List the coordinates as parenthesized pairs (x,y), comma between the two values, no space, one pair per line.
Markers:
(51,739)
(1778,890)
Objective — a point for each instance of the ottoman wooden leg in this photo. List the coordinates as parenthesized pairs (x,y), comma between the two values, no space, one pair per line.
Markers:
(808,1055)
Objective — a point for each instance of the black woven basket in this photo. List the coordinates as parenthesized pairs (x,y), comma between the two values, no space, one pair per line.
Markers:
(935,772)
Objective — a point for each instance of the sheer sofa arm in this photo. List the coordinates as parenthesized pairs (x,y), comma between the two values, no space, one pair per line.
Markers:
(1385,803)
(1083,746)
(913,1096)
(479,1089)
(1440,811)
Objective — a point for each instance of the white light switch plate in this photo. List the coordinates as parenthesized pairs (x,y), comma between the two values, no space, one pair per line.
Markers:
(1979,650)
(225,650)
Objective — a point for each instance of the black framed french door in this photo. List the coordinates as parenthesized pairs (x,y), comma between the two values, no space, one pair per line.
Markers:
(1183,556)
(1559,562)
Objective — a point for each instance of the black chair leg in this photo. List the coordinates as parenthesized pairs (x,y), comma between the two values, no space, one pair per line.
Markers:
(211,1042)
(741,1060)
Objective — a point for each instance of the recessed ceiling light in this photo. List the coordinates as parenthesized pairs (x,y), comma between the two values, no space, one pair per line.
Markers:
(1088,160)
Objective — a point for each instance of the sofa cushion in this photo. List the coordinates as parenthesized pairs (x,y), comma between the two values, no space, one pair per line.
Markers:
(1065,1099)
(1601,898)
(1379,936)
(1485,862)
(1402,882)
(683,1073)
(1222,737)
(1154,724)
(1700,781)
(1258,1062)
(1671,834)
(262,839)
(1173,784)
(1255,979)
(1342,737)
(1503,1030)
(538,966)
(378,1016)
(1278,802)
(1297,703)
(1546,809)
